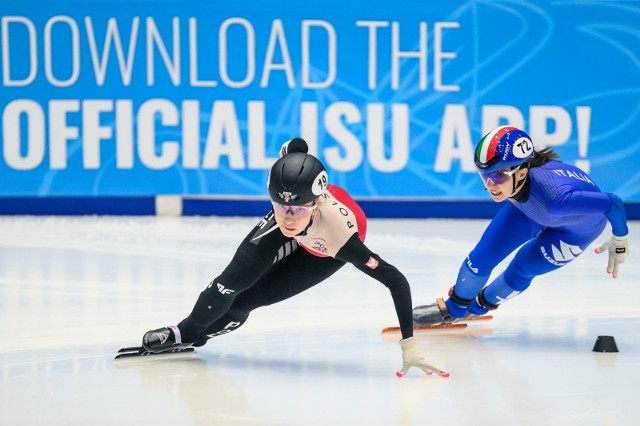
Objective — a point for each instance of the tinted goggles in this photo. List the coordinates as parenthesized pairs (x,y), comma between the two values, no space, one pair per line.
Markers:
(298,211)
(498,177)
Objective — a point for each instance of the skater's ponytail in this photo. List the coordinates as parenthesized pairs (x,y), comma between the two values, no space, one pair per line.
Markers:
(542,157)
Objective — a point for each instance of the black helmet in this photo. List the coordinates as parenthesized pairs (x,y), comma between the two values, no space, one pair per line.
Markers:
(297,179)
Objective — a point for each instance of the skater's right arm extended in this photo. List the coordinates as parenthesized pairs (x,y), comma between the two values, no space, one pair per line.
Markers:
(358,254)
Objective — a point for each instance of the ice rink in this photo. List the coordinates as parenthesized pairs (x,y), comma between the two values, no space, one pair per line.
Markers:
(73,290)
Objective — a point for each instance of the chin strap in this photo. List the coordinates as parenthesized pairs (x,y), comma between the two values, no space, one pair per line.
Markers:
(518,184)
(304,231)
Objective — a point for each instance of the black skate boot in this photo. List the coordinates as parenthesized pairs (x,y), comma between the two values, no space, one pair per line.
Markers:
(163,339)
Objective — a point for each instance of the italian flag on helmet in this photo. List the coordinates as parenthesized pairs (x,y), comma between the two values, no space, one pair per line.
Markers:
(502,148)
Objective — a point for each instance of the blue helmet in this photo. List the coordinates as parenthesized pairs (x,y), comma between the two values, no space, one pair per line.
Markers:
(503,148)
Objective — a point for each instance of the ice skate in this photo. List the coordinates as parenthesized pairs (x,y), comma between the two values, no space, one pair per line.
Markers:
(436,313)
(163,339)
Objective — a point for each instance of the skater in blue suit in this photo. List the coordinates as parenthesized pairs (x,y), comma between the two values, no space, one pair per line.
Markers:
(553,210)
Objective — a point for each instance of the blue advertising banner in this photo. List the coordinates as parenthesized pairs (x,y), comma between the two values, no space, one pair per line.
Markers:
(136,98)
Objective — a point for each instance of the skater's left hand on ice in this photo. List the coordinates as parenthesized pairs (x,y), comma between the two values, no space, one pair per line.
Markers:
(618,248)
(411,357)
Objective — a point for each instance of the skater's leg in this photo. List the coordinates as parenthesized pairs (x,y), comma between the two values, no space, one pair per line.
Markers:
(289,277)
(550,250)
(506,232)
(253,258)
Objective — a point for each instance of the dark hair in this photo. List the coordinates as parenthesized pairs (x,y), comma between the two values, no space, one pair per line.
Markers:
(542,157)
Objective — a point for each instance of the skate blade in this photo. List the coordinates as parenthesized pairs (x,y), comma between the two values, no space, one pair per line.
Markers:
(139,352)
(445,326)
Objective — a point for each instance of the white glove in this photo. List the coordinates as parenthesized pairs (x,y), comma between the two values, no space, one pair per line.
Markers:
(411,357)
(618,250)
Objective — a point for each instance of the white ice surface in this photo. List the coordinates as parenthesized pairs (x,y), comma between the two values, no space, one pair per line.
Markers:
(75,289)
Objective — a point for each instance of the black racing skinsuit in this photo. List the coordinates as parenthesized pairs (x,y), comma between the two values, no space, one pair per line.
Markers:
(269,267)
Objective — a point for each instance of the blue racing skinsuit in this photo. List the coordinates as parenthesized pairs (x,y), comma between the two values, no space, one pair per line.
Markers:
(556,215)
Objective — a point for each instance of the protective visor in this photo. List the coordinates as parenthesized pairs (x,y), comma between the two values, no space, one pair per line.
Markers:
(498,177)
(297,211)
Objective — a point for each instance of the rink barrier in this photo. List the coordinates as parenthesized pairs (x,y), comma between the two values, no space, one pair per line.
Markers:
(170,205)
